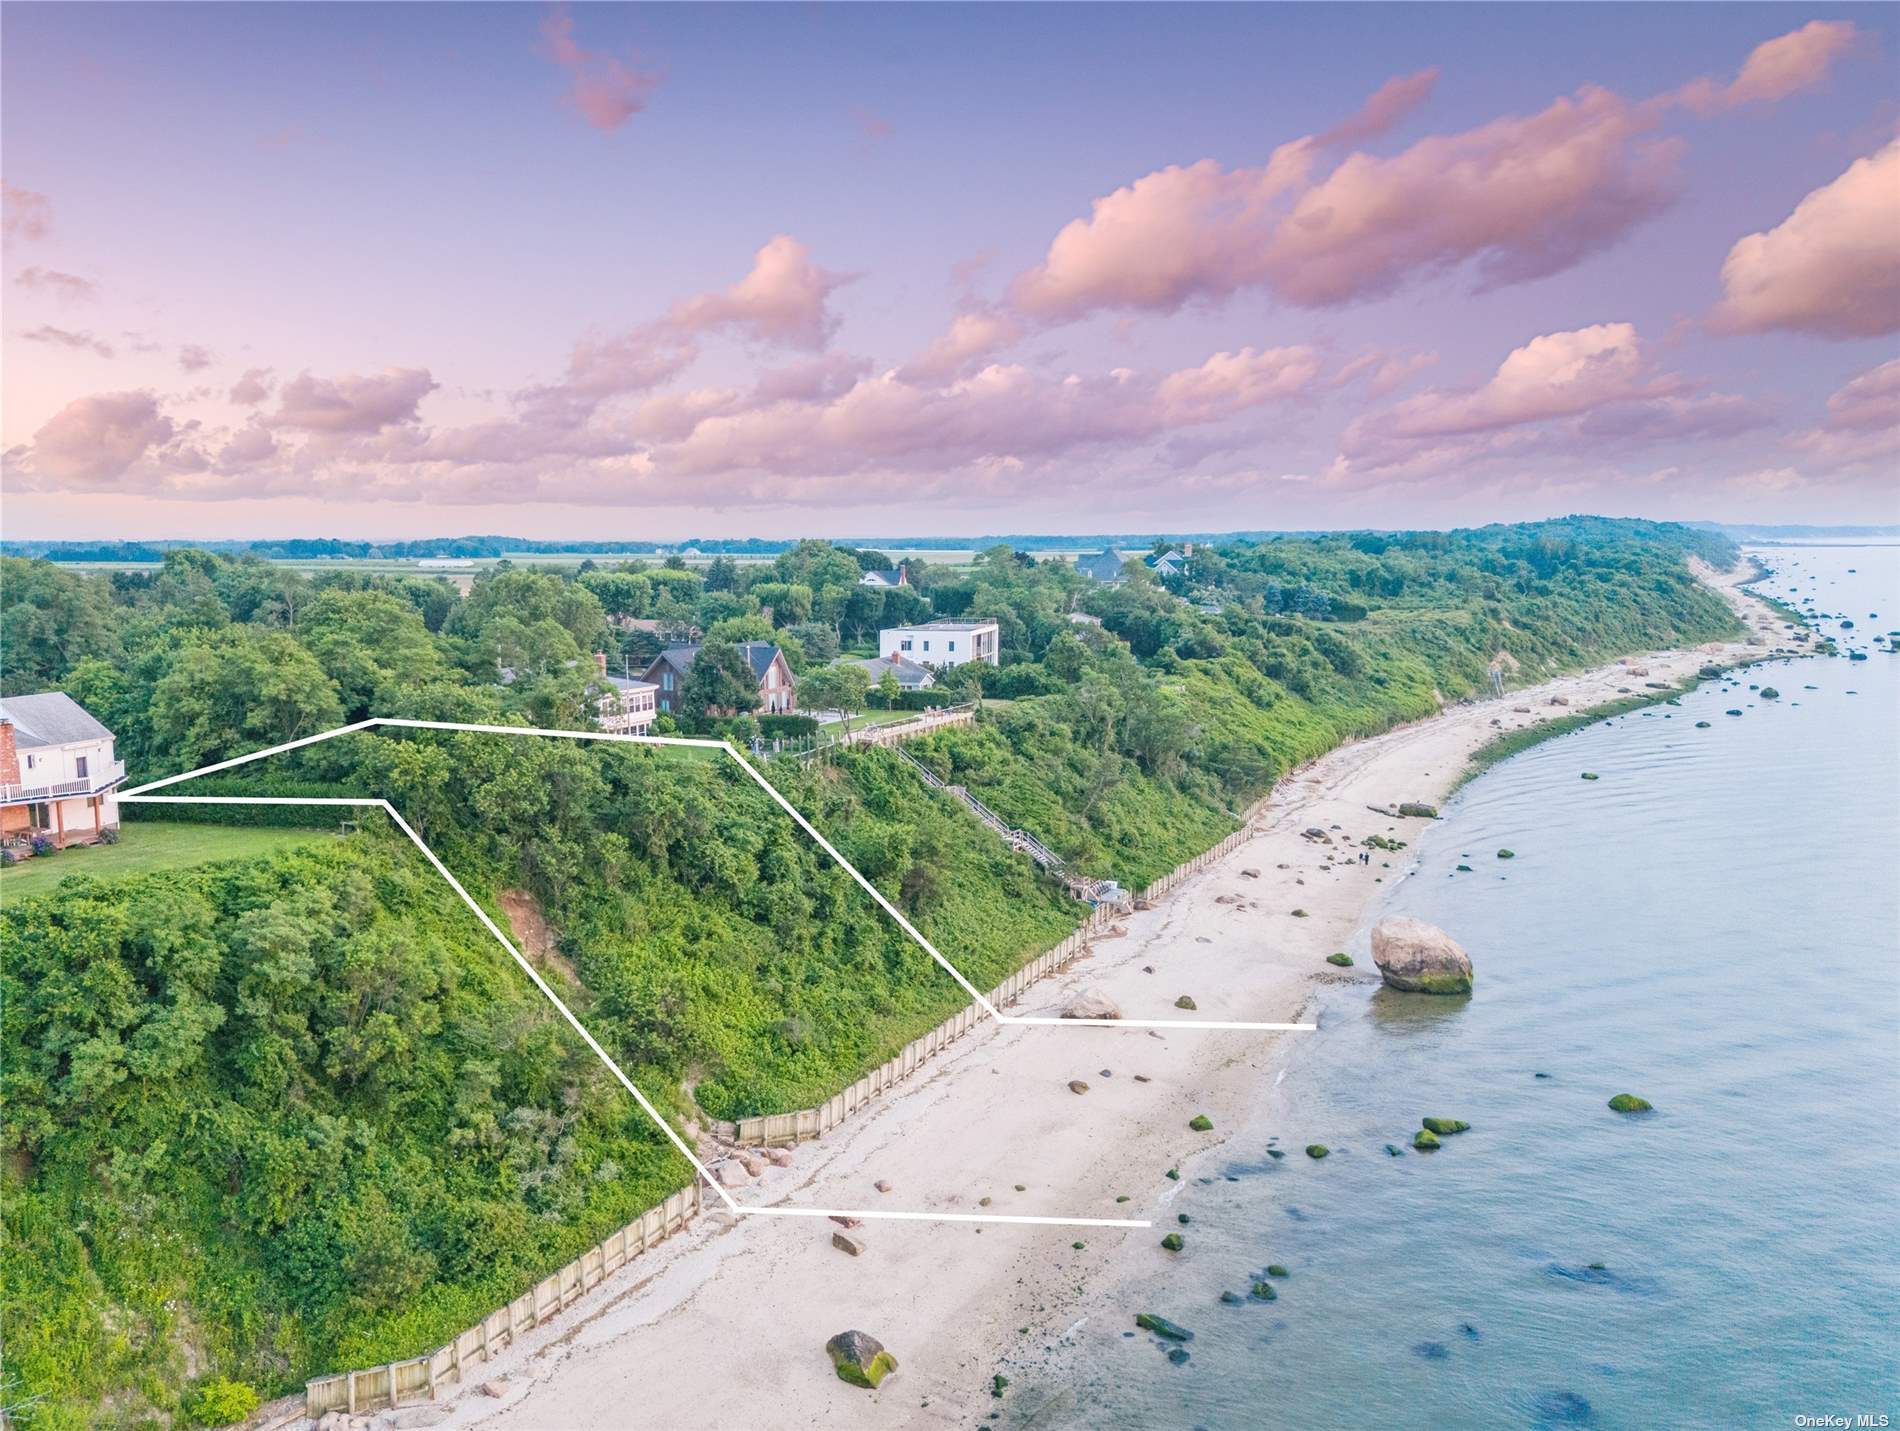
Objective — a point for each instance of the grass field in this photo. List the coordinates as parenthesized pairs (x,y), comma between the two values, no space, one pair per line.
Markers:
(142,847)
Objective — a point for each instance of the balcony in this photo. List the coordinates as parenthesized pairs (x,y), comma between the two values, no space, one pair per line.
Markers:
(85,785)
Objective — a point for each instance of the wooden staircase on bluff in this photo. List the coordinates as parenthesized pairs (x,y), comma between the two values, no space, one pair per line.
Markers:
(1080,886)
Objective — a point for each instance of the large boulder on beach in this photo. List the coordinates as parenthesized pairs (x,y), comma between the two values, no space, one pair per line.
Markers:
(860,1358)
(1420,958)
(1092,1004)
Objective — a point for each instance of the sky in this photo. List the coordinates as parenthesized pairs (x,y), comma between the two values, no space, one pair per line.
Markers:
(629,272)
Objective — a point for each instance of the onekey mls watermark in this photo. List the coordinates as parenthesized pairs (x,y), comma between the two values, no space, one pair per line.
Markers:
(1853,1421)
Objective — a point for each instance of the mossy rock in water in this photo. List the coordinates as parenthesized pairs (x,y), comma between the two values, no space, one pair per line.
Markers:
(1172,1242)
(1173,1175)
(1443,1126)
(1201,1123)
(1733,713)
(1393,1151)
(1441,983)
(1344,961)
(1769,693)
(1464,869)
(1274,1269)
(1425,1140)
(860,1359)
(1701,725)
(1299,914)
(1709,673)
(1276,1153)
(1162,1327)
(1182,1218)
(1231,1299)
(1184,1002)
(1507,854)
(1316,1151)
(1591,775)
(1263,1291)
(997,1383)
(1629,1103)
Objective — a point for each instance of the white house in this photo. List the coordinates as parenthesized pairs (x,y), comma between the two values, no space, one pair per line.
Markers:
(879,577)
(623,705)
(942,643)
(57,772)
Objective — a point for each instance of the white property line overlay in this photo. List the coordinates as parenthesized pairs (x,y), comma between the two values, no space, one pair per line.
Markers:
(140,795)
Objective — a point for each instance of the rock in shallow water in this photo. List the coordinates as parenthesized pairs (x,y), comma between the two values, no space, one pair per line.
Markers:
(1421,958)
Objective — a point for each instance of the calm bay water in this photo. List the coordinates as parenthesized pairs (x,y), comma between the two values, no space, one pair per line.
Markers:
(1714,924)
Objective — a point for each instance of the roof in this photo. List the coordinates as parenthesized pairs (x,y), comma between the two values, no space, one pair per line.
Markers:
(1102,566)
(910,675)
(622,684)
(947,624)
(50,718)
(759,655)
(892,576)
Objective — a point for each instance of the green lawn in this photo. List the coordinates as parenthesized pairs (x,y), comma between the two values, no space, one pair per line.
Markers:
(860,719)
(151,845)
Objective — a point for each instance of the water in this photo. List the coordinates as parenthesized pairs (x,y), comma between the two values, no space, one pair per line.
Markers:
(1711,925)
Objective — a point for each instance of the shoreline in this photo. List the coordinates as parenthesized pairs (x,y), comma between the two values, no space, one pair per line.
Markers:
(742,1308)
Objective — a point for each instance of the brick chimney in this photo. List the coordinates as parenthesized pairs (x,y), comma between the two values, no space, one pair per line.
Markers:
(9,753)
(600,662)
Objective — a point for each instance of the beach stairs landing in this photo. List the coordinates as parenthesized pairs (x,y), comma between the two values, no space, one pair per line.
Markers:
(1082,887)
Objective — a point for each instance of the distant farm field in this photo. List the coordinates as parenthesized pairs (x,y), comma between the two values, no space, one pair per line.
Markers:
(144,847)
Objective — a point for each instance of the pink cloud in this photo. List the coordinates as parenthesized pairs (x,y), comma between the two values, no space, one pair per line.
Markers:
(252,388)
(352,403)
(193,357)
(93,440)
(1388,104)
(1384,372)
(1556,375)
(784,299)
(972,335)
(606,91)
(1777,68)
(78,341)
(1519,198)
(68,286)
(1003,414)
(1831,268)
(24,214)
(643,357)
(1862,425)
(1172,236)
(1560,396)
(251,446)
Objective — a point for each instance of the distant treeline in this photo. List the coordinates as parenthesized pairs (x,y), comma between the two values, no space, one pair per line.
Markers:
(322,548)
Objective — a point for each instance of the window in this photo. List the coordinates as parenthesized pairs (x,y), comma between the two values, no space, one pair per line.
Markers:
(904,645)
(926,645)
(953,645)
(79,767)
(666,680)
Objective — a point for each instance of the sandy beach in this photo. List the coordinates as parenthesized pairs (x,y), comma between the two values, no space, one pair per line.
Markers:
(725,1325)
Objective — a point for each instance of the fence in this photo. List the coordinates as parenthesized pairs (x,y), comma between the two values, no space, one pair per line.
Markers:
(888,733)
(772,1129)
(397,1383)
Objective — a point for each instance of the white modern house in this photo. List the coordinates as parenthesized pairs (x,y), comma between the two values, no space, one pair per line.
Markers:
(57,772)
(942,643)
(885,579)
